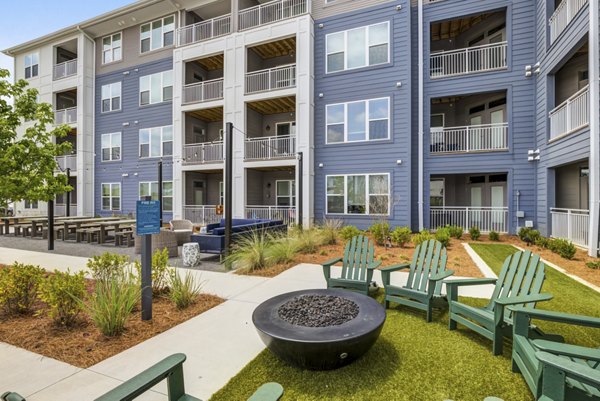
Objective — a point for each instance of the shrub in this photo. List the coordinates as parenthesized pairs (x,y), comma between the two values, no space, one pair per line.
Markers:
(455,231)
(160,271)
(61,291)
(594,265)
(401,236)
(307,241)
(380,232)
(443,235)
(282,250)
(494,236)
(543,242)
(108,266)
(474,233)
(421,236)
(250,253)
(19,285)
(347,232)
(184,291)
(529,235)
(329,231)
(564,248)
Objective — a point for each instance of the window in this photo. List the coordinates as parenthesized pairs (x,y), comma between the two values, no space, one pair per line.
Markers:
(359,47)
(157,34)
(156,142)
(436,192)
(111,48)
(156,88)
(111,196)
(286,192)
(365,120)
(31,65)
(151,189)
(221,193)
(31,204)
(111,147)
(358,194)
(111,97)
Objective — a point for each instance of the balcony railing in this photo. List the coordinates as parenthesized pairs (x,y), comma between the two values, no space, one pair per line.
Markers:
(65,69)
(285,213)
(202,153)
(485,218)
(201,214)
(470,138)
(563,15)
(65,116)
(469,60)
(61,210)
(203,91)
(204,30)
(270,147)
(272,11)
(570,115)
(272,78)
(67,161)
(571,224)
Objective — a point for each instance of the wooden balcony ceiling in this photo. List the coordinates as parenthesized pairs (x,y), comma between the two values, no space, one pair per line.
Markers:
(200,175)
(444,100)
(275,168)
(453,28)
(275,106)
(211,63)
(282,47)
(208,115)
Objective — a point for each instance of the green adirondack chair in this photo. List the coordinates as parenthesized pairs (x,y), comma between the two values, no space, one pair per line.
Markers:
(519,283)
(554,370)
(357,266)
(424,284)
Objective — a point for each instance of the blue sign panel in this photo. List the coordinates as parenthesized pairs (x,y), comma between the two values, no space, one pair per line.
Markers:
(147,217)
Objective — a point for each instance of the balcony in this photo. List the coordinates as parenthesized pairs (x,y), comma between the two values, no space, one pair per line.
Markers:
(563,15)
(65,116)
(285,213)
(203,153)
(64,70)
(271,79)
(486,218)
(271,147)
(571,224)
(470,138)
(67,162)
(201,214)
(203,91)
(570,115)
(270,12)
(204,30)
(470,60)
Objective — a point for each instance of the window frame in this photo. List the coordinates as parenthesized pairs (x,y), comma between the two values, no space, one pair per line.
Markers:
(150,184)
(110,196)
(110,98)
(366,49)
(162,36)
(27,204)
(25,66)
(291,197)
(162,88)
(111,134)
(367,194)
(112,48)
(367,121)
(443,181)
(149,143)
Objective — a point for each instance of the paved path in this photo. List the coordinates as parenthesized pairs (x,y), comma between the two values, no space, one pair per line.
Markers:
(218,343)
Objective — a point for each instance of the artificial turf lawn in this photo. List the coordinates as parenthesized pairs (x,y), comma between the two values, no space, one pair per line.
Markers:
(417,361)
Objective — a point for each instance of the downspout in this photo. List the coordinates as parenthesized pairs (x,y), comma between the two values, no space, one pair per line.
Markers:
(594,80)
(421,114)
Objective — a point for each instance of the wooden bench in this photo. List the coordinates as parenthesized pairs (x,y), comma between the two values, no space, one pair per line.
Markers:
(23,229)
(125,235)
(58,232)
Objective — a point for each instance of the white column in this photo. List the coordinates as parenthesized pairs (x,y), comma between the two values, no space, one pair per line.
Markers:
(178,134)
(594,80)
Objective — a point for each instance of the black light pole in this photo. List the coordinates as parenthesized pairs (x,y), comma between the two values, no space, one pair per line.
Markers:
(51,225)
(160,194)
(146,273)
(299,201)
(68,211)
(228,185)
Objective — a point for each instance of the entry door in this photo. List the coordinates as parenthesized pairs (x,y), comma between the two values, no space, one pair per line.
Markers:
(286,130)
(497,194)
(497,132)
(198,192)
(476,202)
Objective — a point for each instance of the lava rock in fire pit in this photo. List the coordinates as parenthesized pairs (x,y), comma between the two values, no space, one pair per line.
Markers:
(318,311)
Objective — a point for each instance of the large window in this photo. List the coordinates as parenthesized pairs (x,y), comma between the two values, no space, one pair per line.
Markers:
(359,47)
(365,120)
(111,97)
(157,34)
(286,192)
(111,147)
(358,194)
(32,65)
(111,196)
(156,88)
(111,48)
(151,189)
(156,142)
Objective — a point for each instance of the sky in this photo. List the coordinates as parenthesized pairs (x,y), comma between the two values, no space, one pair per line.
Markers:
(21,21)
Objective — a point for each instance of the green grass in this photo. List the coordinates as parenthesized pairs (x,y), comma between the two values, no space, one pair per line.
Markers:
(414,360)
(569,296)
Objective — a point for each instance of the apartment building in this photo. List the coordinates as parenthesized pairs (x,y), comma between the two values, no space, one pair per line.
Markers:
(423,113)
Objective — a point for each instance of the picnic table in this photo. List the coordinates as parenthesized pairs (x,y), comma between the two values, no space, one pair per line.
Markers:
(43,222)
(68,224)
(113,225)
(15,220)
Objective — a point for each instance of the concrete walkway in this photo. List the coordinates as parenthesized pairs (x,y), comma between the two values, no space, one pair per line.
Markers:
(218,343)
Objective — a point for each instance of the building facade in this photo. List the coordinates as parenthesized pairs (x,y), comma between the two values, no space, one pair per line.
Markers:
(421,113)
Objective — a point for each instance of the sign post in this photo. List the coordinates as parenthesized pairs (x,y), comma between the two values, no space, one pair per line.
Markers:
(147,223)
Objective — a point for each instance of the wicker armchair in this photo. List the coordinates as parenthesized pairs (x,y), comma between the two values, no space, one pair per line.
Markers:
(165,239)
(183,230)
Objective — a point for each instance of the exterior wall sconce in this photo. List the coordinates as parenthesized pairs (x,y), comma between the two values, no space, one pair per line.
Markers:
(398,84)
(527,71)
(536,68)
(399,7)
(321,26)
(398,162)
(320,165)
(320,94)
(533,155)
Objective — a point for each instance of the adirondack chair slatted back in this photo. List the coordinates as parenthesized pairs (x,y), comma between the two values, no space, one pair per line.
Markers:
(357,256)
(428,259)
(522,274)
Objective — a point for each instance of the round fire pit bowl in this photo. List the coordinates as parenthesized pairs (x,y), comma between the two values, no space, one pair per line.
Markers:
(345,334)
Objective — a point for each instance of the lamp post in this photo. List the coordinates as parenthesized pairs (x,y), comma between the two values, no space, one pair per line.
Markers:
(160,194)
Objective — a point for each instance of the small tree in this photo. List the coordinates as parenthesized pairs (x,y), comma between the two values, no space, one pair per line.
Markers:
(27,162)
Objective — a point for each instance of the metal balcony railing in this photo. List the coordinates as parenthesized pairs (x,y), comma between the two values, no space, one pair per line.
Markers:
(202,153)
(270,147)
(204,30)
(270,12)
(470,138)
(285,213)
(66,69)
(201,214)
(570,115)
(571,224)
(271,79)
(469,60)
(65,116)
(203,91)
(563,15)
(485,218)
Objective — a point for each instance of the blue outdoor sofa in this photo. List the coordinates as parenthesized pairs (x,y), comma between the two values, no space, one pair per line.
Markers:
(213,241)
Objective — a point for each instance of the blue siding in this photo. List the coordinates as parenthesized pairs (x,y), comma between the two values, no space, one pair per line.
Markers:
(131,169)
(360,84)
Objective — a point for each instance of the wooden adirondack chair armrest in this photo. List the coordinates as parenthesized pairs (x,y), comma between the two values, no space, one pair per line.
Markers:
(558,317)
(394,268)
(469,281)
(574,351)
(374,265)
(571,369)
(441,276)
(331,262)
(524,299)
